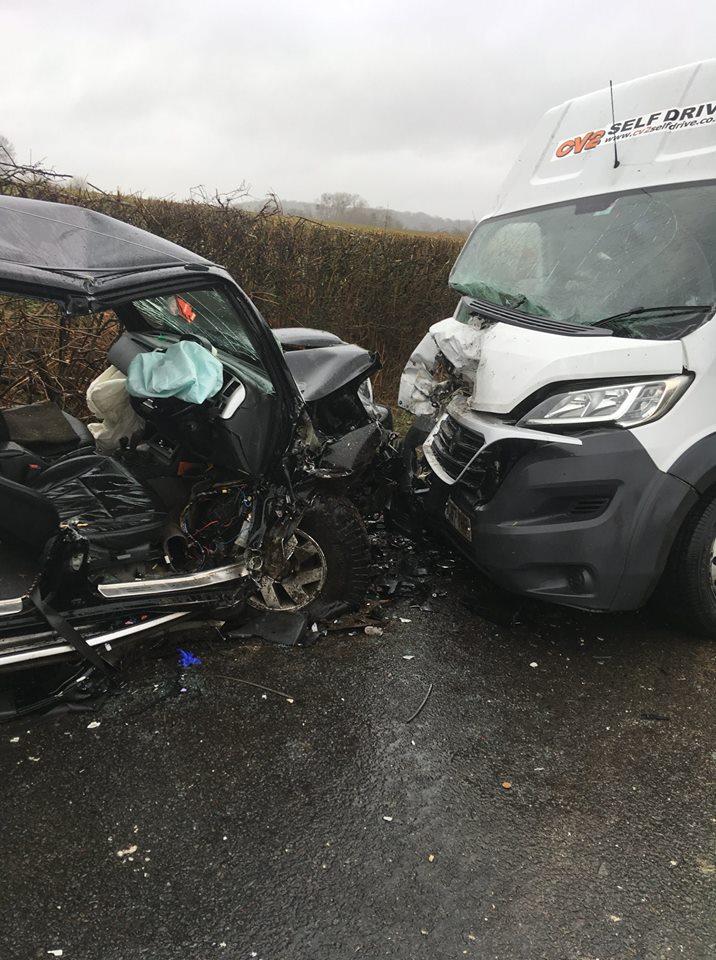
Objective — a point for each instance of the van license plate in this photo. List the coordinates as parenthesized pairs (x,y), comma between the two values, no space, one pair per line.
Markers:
(459,520)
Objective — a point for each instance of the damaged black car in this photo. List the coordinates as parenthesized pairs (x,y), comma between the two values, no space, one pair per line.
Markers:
(225,474)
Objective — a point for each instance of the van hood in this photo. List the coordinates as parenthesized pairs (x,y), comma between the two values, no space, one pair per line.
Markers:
(501,365)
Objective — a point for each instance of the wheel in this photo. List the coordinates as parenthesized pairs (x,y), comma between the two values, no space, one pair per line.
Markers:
(329,562)
(689,582)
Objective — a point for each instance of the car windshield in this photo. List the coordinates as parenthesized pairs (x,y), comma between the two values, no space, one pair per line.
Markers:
(208,315)
(601,257)
(200,313)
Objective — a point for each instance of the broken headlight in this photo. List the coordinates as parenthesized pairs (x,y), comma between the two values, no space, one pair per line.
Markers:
(365,392)
(623,404)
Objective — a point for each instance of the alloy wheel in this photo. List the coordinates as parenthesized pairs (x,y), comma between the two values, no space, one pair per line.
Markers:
(301,580)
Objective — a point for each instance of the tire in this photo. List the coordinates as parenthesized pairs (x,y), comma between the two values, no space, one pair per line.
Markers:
(336,526)
(687,588)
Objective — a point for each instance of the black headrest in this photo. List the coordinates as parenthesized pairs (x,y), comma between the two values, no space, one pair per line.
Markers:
(38,423)
(26,517)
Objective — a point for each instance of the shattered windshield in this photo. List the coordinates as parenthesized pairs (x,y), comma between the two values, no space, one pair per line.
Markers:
(203,313)
(210,316)
(608,260)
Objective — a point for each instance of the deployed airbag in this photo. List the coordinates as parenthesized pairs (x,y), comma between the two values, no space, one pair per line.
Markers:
(107,398)
(185,370)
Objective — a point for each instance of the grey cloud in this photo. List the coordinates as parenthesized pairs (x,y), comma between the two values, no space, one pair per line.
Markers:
(421,105)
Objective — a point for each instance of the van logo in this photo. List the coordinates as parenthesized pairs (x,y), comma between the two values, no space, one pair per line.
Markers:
(661,121)
(586,142)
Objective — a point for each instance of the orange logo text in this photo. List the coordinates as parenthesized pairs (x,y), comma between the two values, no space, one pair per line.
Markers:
(588,142)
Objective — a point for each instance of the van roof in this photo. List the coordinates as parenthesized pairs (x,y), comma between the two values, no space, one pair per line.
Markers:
(665,132)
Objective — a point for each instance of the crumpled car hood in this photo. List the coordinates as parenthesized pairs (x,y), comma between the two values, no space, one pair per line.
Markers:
(504,364)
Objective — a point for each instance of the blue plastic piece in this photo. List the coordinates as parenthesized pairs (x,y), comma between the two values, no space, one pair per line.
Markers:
(188,659)
(185,370)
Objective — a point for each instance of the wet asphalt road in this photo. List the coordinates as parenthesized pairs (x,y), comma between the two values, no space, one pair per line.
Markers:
(217,823)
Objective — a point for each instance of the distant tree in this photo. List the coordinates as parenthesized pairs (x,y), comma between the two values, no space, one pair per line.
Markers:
(7,150)
(386,218)
(335,206)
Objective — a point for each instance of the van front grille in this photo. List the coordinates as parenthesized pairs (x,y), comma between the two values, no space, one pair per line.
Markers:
(462,454)
(454,447)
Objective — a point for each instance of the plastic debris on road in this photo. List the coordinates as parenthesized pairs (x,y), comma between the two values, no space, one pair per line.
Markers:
(128,851)
(187,659)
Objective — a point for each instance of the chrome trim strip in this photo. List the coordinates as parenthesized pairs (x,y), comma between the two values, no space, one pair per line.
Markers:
(189,581)
(41,653)
(430,456)
(8,607)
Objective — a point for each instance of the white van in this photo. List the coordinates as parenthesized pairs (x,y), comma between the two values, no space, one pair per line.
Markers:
(572,396)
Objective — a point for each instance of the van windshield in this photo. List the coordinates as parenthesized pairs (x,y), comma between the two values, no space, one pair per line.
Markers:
(589,260)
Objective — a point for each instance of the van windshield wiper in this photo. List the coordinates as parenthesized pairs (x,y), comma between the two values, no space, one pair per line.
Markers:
(500,314)
(669,311)
(485,293)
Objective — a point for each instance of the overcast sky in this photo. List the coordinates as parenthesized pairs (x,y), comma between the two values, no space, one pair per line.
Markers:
(416,105)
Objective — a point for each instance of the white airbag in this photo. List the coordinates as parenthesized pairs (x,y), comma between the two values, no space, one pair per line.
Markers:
(107,398)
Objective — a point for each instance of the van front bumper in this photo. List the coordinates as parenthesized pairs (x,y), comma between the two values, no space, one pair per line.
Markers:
(588,524)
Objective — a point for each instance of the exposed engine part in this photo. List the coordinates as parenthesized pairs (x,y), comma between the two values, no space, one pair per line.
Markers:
(215,522)
(176,549)
(341,412)
(306,447)
(353,452)
(443,362)
(343,467)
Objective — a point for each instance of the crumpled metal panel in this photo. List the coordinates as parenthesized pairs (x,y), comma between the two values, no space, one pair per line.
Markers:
(460,344)
(321,371)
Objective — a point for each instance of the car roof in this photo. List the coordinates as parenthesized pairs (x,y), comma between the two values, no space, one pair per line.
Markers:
(60,249)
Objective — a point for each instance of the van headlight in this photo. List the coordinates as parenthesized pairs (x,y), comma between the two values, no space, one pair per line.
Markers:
(623,404)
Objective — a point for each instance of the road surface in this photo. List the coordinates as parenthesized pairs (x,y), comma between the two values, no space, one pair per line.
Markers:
(553,798)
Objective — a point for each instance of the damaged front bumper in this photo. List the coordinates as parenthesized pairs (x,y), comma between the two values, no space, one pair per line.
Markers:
(586,521)
(462,442)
